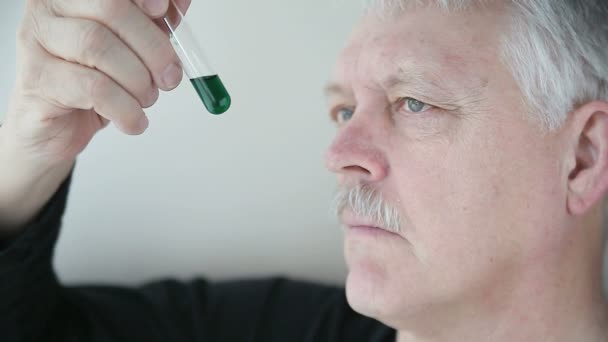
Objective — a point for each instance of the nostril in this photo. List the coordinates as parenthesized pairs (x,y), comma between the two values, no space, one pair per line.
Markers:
(356,169)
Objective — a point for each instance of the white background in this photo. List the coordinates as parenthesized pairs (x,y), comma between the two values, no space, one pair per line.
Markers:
(240,195)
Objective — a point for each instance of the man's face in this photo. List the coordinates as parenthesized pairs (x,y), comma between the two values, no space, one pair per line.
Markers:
(439,129)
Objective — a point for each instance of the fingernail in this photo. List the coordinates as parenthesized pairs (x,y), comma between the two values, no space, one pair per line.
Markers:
(172,76)
(154,7)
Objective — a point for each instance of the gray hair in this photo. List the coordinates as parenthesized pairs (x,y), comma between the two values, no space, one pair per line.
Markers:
(557,50)
(366,202)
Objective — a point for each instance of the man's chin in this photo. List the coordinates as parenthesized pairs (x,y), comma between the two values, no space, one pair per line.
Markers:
(373,291)
(366,290)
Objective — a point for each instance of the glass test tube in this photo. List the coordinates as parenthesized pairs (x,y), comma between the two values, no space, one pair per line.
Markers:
(206,82)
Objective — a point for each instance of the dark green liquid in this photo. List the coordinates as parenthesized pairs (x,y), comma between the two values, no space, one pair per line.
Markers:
(212,92)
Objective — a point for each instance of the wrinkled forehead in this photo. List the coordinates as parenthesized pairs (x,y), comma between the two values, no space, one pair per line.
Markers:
(423,40)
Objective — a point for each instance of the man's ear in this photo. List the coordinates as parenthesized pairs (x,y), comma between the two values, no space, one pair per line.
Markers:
(588,177)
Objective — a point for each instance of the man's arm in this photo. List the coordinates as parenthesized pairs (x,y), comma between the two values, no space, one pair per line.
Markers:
(27,282)
(34,306)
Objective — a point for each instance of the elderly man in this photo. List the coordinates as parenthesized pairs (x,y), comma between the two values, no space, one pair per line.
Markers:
(471,153)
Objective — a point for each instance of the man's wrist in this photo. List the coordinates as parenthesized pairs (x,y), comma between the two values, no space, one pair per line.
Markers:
(25,186)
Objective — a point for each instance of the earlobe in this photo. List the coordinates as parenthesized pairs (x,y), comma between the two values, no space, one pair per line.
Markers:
(588,178)
(586,190)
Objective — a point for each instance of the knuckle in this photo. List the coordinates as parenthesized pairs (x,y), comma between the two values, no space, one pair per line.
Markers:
(94,42)
(30,28)
(99,85)
(109,8)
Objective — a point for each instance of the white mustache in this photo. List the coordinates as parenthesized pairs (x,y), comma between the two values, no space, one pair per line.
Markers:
(367,203)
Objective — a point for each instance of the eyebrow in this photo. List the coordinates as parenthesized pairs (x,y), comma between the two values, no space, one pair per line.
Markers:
(404,77)
(418,83)
(334,89)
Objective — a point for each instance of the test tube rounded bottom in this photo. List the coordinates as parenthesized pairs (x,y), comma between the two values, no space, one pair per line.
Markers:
(212,92)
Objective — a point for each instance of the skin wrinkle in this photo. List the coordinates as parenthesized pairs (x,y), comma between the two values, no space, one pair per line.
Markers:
(409,81)
(479,189)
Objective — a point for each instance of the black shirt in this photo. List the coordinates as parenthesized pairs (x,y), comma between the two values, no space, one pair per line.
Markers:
(34,306)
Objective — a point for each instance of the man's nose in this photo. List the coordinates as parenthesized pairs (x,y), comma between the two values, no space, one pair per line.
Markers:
(355,157)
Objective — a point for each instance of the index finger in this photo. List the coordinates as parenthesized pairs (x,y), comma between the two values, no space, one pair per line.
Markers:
(136,29)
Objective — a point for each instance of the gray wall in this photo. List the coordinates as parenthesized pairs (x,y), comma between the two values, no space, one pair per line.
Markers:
(244,194)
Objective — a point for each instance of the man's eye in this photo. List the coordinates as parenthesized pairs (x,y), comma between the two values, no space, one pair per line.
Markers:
(413,106)
(343,115)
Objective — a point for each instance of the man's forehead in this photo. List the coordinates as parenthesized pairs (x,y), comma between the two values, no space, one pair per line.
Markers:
(381,49)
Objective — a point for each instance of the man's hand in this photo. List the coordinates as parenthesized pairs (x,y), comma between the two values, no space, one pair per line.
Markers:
(81,64)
